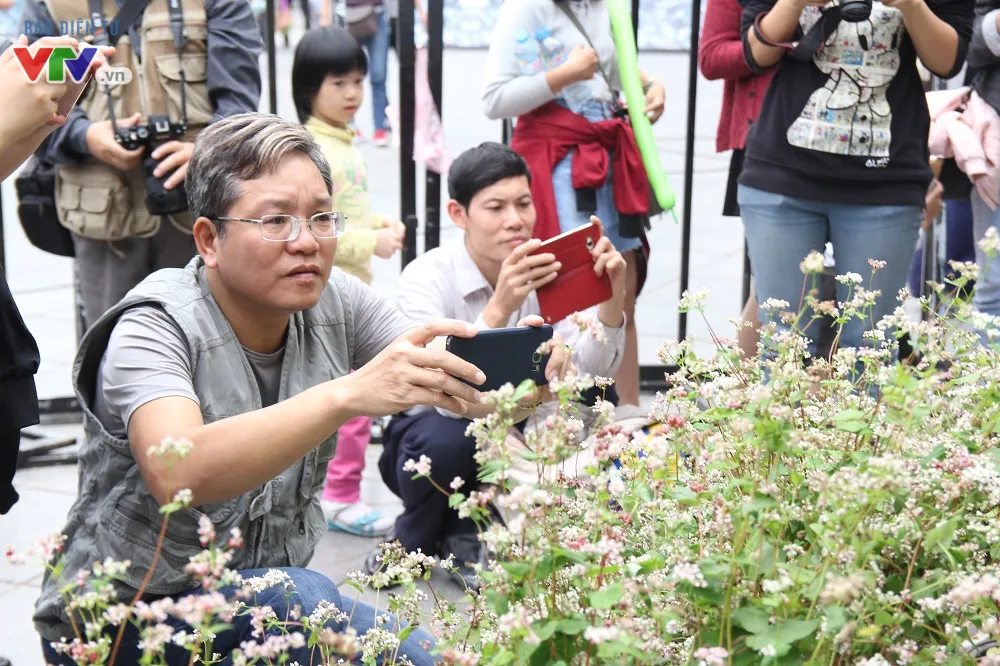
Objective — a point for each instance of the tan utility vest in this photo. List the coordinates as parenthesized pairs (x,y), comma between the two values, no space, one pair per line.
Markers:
(94,199)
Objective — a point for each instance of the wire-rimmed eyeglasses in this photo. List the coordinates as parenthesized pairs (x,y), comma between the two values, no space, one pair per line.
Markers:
(281,228)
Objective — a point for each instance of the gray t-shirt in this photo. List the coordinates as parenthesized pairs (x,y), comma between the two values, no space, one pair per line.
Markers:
(150,357)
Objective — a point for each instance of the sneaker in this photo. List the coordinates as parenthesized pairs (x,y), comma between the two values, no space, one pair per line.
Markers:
(380,138)
(358,519)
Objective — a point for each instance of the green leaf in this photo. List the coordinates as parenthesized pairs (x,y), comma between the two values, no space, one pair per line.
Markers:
(607,597)
(941,535)
(758,503)
(405,633)
(836,618)
(752,619)
(784,633)
(517,570)
(573,626)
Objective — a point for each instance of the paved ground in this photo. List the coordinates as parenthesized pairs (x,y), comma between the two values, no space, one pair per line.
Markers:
(42,285)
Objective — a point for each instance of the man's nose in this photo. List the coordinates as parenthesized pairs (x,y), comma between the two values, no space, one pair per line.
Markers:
(305,242)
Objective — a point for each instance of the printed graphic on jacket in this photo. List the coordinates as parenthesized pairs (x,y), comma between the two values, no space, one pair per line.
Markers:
(850,115)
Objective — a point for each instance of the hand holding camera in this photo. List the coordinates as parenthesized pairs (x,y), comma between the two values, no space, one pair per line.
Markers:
(173,156)
(102,144)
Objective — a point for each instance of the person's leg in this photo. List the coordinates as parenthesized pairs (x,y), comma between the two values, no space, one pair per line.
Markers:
(108,271)
(426,517)
(749,334)
(780,232)
(986,298)
(345,512)
(627,379)
(377,47)
(882,233)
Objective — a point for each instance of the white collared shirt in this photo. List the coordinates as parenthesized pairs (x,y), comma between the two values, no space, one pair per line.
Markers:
(445,283)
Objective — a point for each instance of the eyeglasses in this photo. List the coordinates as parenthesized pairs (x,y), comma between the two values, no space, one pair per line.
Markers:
(282,228)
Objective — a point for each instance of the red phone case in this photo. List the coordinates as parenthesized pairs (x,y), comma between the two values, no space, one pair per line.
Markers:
(578,287)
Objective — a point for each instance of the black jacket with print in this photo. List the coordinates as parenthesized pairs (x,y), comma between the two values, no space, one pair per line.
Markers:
(850,124)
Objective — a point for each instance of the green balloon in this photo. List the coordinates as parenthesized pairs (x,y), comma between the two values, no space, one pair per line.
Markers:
(628,70)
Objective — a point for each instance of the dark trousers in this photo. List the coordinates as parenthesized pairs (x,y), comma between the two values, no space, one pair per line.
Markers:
(427,519)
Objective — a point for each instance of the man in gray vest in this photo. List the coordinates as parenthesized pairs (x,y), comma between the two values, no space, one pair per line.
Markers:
(181,83)
(247,353)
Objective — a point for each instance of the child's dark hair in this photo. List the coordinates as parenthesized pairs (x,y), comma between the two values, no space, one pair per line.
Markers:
(325,50)
(478,168)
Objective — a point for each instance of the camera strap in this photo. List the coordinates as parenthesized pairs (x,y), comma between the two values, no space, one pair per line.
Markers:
(128,15)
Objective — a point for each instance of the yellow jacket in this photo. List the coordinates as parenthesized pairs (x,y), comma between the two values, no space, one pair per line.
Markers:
(356,245)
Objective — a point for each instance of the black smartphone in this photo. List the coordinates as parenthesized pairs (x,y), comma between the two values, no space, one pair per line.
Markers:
(505,355)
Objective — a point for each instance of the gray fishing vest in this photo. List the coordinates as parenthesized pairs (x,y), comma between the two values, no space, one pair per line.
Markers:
(115,516)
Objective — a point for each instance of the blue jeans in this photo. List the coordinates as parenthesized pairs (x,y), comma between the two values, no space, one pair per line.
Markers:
(986,298)
(377,47)
(562,184)
(310,588)
(781,231)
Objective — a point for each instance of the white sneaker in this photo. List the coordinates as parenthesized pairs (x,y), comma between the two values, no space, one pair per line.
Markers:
(358,519)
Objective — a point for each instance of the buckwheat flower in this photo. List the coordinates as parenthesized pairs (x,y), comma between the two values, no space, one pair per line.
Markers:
(47,547)
(603,382)
(456,483)
(813,264)
(768,650)
(184,497)
(13,557)
(689,573)
(693,301)
(235,538)
(713,656)
(850,278)
(990,242)
(876,264)
(155,638)
(206,530)
(171,446)
(597,635)
(545,348)
(422,468)
(774,304)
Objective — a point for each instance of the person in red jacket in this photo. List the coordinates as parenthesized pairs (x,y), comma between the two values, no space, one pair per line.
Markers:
(720,56)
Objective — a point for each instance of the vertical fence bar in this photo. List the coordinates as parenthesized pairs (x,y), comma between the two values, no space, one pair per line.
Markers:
(435,58)
(407,169)
(689,159)
(272,87)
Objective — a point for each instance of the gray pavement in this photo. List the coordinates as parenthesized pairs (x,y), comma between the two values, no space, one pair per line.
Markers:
(42,285)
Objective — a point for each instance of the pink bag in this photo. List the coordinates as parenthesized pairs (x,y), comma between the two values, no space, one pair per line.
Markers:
(428,135)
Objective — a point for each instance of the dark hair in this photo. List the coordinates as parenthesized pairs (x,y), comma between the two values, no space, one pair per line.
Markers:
(325,50)
(478,168)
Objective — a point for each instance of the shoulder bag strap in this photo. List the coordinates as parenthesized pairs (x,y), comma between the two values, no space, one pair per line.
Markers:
(127,15)
(564,6)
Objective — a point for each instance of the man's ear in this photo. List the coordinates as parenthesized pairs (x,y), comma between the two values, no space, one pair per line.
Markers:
(456,212)
(206,239)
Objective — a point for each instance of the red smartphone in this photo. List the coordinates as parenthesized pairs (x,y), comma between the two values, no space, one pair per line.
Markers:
(577,287)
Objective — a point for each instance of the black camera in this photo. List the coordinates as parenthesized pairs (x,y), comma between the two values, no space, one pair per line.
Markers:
(855,11)
(159,130)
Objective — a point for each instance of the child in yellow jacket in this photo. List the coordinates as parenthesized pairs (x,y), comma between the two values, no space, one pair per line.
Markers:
(328,86)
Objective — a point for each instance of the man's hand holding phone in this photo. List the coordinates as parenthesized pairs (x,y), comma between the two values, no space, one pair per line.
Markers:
(559,365)
(408,373)
(35,105)
(520,274)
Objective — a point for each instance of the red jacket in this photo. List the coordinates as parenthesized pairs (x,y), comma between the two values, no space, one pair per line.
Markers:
(720,56)
(544,136)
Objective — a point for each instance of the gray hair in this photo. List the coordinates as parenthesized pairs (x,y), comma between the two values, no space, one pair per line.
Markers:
(241,148)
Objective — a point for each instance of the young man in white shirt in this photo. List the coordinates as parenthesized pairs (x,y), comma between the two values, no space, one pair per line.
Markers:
(489,279)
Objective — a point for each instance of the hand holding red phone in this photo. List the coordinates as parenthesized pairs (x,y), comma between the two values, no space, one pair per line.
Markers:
(520,274)
(609,260)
